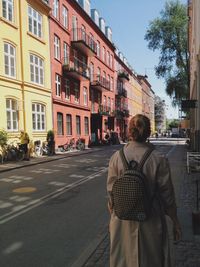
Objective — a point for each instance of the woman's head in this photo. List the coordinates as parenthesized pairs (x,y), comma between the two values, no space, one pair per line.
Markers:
(139,128)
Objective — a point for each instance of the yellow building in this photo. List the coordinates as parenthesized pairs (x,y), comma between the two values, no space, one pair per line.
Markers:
(25,81)
(135,97)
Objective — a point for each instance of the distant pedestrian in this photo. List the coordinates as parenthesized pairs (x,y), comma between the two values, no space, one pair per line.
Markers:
(143,243)
(24,141)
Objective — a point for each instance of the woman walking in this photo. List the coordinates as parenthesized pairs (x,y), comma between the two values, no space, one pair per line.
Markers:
(135,243)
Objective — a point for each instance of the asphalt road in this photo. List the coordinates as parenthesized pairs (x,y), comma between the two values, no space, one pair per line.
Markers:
(52,213)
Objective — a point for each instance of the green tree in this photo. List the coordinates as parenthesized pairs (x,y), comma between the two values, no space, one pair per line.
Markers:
(168,34)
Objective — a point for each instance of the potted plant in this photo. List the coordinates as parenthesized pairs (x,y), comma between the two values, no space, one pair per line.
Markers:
(3,143)
(51,142)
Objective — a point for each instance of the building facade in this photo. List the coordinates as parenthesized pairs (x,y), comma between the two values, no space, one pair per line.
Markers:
(82,58)
(25,85)
(194,52)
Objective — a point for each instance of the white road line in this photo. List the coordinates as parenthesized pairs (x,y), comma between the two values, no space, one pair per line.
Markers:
(37,202)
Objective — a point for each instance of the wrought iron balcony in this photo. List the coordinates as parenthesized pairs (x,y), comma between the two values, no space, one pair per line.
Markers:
(76,69)
(122,92)
(104,110)
(83,42)
(100,83)
(122,113)
(123,76)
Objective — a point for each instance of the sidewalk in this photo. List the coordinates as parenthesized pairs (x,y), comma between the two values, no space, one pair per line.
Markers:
(187,252)
(7,166)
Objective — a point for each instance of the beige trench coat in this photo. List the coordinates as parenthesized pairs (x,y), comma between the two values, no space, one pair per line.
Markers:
(143,244)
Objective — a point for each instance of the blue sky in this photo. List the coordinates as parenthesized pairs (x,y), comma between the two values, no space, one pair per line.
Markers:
(129,20)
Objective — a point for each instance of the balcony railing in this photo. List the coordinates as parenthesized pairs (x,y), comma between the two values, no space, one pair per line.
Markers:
(123,75)
(105,110)
(100,82)
(122,113)
(76,69)
(82,41)
(122,92)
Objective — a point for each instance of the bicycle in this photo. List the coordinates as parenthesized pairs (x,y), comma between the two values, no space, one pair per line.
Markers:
(80,144)
(14,152)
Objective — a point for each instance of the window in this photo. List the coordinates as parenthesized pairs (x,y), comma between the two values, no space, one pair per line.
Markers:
(111,84)
(108,58)
(58,85)
(38,117)
(67,89)
(75,28)
(56,8)
(104,103)
(69,124)
(86,124)
(34,22)
(98,49)
(66,53)
(111,61)
(83,33)
(78,125)
(59,123)
(112,104)
(9,60)
(85,96)
(56,47)
(108,81)
(65,17)
(109,104)
(8,10)
(12,115)
(98,74)
(36,69)
(103,54)
(77,92)
(91,71)
(91,41)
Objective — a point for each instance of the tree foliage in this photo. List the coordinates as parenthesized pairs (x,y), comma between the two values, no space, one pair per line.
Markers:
(168,34)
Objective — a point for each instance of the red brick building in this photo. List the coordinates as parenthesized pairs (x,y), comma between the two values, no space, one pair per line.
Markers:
(82,60)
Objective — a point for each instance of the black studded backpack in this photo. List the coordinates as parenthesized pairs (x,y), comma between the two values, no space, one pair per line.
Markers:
(130,193)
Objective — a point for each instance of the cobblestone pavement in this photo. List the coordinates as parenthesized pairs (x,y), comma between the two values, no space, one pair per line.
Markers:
(187,251)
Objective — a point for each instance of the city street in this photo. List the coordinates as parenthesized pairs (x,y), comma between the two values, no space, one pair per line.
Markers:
(53,214)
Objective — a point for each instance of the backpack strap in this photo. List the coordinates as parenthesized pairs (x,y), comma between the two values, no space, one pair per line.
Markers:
(123,158)
(145,157)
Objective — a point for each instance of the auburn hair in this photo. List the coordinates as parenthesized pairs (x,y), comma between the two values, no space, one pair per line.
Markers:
(139,128)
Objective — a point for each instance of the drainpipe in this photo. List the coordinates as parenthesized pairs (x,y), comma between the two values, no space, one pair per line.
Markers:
(22,64)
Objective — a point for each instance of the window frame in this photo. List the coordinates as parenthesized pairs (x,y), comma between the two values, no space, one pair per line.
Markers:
(56,47)
(42,117)
(68,124)
(67,88)
(78,125)
(10,59)
(55,10)
(85,96)
(86,125)
(65,17)
(61,122)
(76,93)
(39,67)
(12,111)
(6,10)
(58,84)
(38,20)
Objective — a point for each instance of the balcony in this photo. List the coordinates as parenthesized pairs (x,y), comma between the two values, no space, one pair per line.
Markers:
(100,83)
(75,69)
(83,42)
(122,92)
(105,110)
(120,114)
(123,76)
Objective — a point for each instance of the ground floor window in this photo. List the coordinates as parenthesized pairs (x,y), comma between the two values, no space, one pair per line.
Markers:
(78,125)
(59,123)
(86,122)
(12,115)
(38,117)
(69,124)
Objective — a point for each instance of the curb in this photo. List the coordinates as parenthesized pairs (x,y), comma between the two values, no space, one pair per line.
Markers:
(90,250)
(47,160)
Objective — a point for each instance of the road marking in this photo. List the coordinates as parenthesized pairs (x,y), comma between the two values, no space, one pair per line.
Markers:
(24,190)
(37,202)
